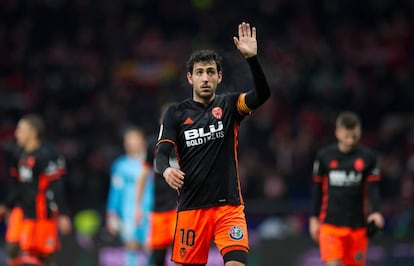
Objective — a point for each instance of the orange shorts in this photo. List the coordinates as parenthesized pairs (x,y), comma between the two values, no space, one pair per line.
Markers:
(14,225)
(349,245)
(195,230)
(40,236)
(162,229)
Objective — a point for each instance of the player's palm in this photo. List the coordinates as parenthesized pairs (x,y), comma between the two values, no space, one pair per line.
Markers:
(246,42)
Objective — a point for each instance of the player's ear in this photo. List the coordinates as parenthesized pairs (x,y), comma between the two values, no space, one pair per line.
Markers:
(190,78)
(220,77)
(337,132)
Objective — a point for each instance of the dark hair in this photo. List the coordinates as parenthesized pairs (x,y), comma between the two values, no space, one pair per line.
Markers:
(204,56)
(36,122)
(348,120)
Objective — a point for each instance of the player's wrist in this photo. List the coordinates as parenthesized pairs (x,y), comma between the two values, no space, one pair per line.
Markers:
(164,172)
(251,57)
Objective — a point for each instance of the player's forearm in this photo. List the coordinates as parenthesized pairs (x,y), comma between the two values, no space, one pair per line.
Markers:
(59,196)
(316,200)
(142,181)
(162,160)
(374,196)
(261,93)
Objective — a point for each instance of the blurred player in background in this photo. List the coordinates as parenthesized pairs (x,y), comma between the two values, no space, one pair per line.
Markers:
(11,210)
(204,131)
(124,217)
(37,198)
(163,215)
(345,176)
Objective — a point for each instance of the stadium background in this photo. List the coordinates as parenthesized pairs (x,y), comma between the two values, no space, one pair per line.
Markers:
(90,67)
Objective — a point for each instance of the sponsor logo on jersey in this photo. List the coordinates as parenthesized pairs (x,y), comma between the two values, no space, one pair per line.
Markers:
(341,178)
(236,233)
(25,174)
(198,136)
(188,121)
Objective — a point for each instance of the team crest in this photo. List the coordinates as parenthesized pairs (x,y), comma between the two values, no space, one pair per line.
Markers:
(217,112)
(50,242)
(236,233)
(183,252)
(30,161)
(333,164)
(359,256)
(359,164)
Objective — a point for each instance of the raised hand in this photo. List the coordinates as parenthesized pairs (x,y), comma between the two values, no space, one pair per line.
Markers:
(246,43)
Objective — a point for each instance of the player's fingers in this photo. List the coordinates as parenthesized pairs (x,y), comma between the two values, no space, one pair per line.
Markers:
(236,42)
(179,174)
(178,182)
(248,30)
(254,32)
(241,30)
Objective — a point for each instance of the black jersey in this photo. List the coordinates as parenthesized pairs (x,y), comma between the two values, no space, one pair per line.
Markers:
(38,176)
(165,198)
(206,140)
(13,188)
(341,185)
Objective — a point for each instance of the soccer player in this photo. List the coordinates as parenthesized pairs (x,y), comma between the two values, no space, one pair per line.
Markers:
(162,217)
(126,172)
(204,131)
(38,171)
(11,211)
(345,175)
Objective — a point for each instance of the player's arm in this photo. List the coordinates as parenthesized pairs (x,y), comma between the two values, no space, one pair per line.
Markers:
(374,199)
(13,181)
(114,200)
(56,192)
(142,181)
(13,189)
(165,145)
(316,201)
(246,43)
(12,195)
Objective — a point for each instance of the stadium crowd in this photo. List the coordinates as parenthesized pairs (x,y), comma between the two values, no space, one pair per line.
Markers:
(93,67)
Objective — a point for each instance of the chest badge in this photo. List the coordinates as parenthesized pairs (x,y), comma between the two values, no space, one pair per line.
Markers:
(333,164)
(359,164)
(217,112)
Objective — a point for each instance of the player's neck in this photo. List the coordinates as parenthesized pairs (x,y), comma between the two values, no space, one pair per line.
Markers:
(204,101)
(32,145)
(345,149)
(135,155)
